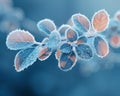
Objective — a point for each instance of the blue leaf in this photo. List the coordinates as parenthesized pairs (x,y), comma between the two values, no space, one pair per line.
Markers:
(81,23)
(25,58)
(19,39)
(84,51)
(101,46)
(67,61)
(66,48)
(44,53)
(82,39)
(54,40)
(63,29)
(71,35)
(46,26)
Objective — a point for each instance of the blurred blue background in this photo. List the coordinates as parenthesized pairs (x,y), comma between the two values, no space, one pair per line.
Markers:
(45,78)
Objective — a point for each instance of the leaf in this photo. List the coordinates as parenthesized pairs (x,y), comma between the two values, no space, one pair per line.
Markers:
(67,61)
(100,21)
(46,26)
(26,58)
(19,39)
